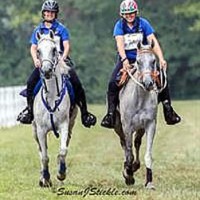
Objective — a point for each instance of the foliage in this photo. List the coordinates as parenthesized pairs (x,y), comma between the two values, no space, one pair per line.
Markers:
(93,48)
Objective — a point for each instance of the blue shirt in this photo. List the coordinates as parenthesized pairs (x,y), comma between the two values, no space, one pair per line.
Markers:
(59,29)
(140,25)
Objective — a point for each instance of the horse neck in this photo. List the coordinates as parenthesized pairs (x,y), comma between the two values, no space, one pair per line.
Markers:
(138,96)
(148,98)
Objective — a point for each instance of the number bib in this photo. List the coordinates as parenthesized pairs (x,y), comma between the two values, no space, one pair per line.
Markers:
(131,40)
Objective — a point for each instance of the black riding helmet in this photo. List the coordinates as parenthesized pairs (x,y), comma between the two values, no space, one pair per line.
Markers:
(50,5)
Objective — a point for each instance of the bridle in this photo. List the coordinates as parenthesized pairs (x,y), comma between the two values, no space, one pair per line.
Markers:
(51,61)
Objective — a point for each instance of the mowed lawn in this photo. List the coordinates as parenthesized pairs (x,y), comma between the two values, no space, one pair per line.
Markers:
(95,162)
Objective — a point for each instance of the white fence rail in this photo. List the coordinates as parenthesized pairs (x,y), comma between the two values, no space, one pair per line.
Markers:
(11,104)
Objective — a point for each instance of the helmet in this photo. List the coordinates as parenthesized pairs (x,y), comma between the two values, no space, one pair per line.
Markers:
(128,6)
(50,5)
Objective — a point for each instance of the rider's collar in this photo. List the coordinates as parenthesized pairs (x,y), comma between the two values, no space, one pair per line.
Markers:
(135,22)
(53,24)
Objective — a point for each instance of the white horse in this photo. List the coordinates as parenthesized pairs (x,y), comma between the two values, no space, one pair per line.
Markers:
(52,107)
(138,112)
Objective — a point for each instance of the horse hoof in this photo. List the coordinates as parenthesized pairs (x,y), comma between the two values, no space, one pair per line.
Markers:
(61,177)
(150,186)
(45,183)
(129,180)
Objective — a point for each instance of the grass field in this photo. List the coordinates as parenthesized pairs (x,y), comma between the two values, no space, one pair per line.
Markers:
(95,161)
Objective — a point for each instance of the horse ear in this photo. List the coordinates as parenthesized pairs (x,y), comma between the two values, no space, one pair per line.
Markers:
(51,33)
(38,35)
(139,45)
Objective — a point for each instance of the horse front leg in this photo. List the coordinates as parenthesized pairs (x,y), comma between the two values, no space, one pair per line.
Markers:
(64,130)
(45,180)
(137,143)
(128,164)
(150,132)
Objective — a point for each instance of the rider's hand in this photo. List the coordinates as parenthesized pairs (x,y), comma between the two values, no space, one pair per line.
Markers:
(62,59)
(163,64)
(37,63)
(126,65)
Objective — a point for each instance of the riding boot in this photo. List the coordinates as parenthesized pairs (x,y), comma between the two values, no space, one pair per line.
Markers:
(109,119)
(171,117)
(87,118)
(26,116)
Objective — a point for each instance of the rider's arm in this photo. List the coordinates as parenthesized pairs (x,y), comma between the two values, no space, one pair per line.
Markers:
(66,46)
(33,51)
(120,47)
(157,50)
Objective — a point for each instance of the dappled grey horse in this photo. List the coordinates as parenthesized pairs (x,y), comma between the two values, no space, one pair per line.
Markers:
(52,107)
(137,113)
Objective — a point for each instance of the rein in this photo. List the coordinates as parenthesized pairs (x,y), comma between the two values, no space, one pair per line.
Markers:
(156,75)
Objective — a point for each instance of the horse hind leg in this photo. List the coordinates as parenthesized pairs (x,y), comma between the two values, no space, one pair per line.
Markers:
(73,116)
(137,144)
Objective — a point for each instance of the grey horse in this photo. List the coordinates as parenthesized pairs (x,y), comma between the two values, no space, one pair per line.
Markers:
(137,113)
(52,107)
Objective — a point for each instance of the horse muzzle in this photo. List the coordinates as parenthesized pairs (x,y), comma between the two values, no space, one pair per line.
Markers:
(148,83)
(47,72)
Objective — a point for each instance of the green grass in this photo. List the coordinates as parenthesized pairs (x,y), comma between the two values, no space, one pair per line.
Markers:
(95,159)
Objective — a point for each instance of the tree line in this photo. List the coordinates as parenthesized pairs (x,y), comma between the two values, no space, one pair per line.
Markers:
(91,22)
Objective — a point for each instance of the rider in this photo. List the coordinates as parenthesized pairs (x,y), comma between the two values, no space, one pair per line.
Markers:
(139,30)
(50,11)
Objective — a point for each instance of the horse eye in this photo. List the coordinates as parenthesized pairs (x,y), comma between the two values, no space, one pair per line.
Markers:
(54,51)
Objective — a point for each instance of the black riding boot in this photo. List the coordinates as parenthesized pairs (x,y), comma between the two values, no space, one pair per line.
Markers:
(87,118)
(171,117)
(112,98)
(109,119)
(26,116)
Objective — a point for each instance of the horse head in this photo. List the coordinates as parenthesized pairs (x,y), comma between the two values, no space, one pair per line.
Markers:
(146,65)
(47,53)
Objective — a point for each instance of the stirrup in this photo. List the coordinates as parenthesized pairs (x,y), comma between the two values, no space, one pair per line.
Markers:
(88,119)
